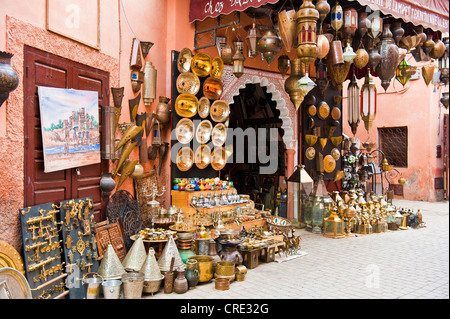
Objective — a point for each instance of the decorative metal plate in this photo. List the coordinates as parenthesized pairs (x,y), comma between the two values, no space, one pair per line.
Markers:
(184,131)
(186,105)
(218,160)
(329,163)
(188,82)
(13,285)
(201,64)
(219,134)
(203,107)
(323,110)
(220,110)
(10,257)
(202,156)
(185,159)
(203,132)
(184,60)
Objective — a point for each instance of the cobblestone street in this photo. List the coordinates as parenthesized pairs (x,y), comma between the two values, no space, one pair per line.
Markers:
(410,264)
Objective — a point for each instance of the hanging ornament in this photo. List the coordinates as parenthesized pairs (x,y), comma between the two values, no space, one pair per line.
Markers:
(321,77)
(376,25)
(269,45)
(323,45)
(368,102)
(323,8)
(389,58)
(306,20)
(338,73)
(361,59)
(287,28)
(337,17)
(283,64)
(403,72)
(298,84)
(374,58)
(350,23)
(336,53)
(397,31)
(438,50)
(427,73)
(238,59)
(252,40)
(353,104)
(348,55)
(364,24)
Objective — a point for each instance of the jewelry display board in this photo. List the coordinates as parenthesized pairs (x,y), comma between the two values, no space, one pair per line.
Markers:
(42,251)
(80,243)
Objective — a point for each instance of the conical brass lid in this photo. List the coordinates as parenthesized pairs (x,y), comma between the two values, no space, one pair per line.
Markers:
(111,267)
(169,251)
(136,256)
(150,268)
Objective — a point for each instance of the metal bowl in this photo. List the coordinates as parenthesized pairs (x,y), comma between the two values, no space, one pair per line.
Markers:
(188,82)
(203,107)
(184,60)
(216,67)
(219,134)
(220,111)
(212,88)
(203,132)
(201,64)
(185,159)
(218,159)
(184,131)
(186,105)
(202,156)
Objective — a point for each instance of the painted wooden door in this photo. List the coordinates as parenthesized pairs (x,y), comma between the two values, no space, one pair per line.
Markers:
(46,69)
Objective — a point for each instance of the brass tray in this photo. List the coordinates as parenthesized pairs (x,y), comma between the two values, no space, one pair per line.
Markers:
(335,113)
(185,159)
(201,64)
(203,107)
(184,60)
(218,159)
(335,153)
(13,285)
(203,131)
(219,134)
(186,105)
(310,153)
(188,82)
(10,257)
(203,156)
(323,110)
(220,111)
(184,131)
(329,163)
(216,67)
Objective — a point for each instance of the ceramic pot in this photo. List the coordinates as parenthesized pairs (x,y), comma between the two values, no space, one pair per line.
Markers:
(180,285)
(9,80)
(192,275)
(230,253)
(107,184)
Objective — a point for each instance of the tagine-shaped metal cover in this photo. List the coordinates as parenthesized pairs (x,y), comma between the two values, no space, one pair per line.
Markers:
(136,256)
(169,251)
(111,267)
(150,268)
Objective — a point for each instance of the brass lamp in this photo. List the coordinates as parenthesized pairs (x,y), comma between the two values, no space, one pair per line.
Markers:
(333,225)
(238,59)
(306,20)
(337,17)
(368,101)
(404,72)
(389,57)
(269,45)
(350,23)
(376,25)
(291,84)
(252,40)
(349,54)
(321,205)
(353,104)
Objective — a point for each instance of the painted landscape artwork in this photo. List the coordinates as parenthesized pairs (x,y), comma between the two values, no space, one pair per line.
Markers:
(70,128)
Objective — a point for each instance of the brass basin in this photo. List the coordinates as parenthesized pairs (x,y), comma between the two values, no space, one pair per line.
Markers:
(220,110)
(212,88)
(203,132)
(203,107)
(219,134)
(201,64)
(188,82)
(218,160)
(216,67)
(186,105)
(185,159)
(205,267)
(202,156)
(184,60)
(184,131)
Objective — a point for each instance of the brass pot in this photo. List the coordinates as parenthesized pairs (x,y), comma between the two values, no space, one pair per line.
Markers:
(220,110)
(225,269)
(203,107)
(186,105)
(222,283)
(203,156)
(201,64)
(205,267)
(203,131)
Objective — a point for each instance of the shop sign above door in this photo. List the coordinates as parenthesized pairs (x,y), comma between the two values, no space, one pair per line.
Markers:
(201,9)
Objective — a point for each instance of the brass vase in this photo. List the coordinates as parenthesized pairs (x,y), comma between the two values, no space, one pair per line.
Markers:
(163,109)
(389,57)
(9,80)
(291,84)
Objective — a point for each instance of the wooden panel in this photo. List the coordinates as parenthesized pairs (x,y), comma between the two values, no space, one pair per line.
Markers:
(46,75)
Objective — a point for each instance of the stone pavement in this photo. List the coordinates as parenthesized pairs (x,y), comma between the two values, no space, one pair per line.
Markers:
(411,264)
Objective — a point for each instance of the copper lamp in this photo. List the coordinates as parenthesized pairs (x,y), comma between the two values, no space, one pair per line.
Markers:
(333,225)
(353,104)
(238,59)
(306,19)
(389,58)
(368,102)
(252,38)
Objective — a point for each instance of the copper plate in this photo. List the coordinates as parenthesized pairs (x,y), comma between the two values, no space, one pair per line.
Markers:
(13,284)
(201,64)
(335,113)
(310,153)
(219,134)
(184,60)
(335,153)
(203,107)
(217,67)
(184,131)
(202,156)
(218,159)
(188,82)
(203,131)
(185,159)
(186,105)
(212,88)
(220,110)
(323,110)
(329,163)
(312,110)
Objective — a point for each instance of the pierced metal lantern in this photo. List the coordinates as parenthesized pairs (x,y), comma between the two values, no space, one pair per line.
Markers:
(368,102)
(333,225)
(348,54)
(283,64)
(306,19)
(337,17)
(350,22)
(376,25)
(269,45)
(252,40)
(108,132)
(149,90)
(291,84)
(353,104)
(404,72)
(389,58)
(321,205)
(238,59)
(363,24)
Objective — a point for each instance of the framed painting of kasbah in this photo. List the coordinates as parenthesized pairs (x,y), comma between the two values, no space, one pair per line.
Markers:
(69,127)
(78,20)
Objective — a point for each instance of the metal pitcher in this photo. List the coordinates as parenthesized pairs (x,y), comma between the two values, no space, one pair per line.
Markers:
(92,285)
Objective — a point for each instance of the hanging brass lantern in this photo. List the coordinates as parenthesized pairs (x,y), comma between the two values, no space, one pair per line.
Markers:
(389,58)
(438,49)
(368,102)
(226,53)
(321,77)
(364,24)
(306,19)
(287,27)
(252,40)
(337,17)
(361,59)
(338,73)
(348,54)
(291,84)
(336,53)
(283,64)
(324,8)
(397,31)
(269,45)
(428,44)
(353,99)
(350,23)
(427,73)
(403,72)
(376,25)
(323,45)
(238,59)
(374,58)
(444,63)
